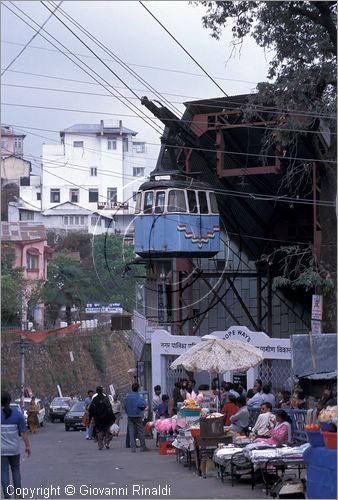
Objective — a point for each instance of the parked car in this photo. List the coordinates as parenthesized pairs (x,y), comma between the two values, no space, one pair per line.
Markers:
(73,419)
(42,411)
(59,407)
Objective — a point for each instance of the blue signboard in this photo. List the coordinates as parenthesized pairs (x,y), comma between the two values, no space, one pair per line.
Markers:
(114,307)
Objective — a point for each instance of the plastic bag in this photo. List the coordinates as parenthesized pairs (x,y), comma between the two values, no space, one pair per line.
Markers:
(115,430)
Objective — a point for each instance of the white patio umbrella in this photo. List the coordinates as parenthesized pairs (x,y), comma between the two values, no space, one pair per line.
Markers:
(218,356)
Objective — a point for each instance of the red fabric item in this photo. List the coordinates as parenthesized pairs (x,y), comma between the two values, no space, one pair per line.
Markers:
(228,410)
(40,335)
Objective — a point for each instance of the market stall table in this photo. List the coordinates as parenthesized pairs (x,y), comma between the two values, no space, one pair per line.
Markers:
(277,458)
(321,471)
(204,447)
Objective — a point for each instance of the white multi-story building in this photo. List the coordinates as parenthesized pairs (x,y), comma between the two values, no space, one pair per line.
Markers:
(89,181)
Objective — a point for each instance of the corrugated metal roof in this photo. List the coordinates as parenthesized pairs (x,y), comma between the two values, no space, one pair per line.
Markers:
(22,231)
(93,128)
(322,376)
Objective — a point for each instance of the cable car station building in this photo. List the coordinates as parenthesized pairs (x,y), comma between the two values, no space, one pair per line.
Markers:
(220,202)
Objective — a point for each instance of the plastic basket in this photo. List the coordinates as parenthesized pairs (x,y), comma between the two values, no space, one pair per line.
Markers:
(189,413)
(212,427)
(330,439)
(328,427)
(195,432)
(315,438)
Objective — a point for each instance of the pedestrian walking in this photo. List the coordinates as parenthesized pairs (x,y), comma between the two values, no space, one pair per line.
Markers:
(134,405)
(101,411)
(32,416)
(85,420)
(12,427)
(116,405)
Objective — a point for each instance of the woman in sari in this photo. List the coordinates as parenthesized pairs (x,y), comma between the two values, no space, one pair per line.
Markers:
(281,432)
(32,416)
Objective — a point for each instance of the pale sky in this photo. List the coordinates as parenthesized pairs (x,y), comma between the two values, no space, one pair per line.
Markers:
(128,30)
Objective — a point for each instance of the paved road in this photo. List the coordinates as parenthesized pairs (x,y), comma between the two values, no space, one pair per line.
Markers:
(62,458)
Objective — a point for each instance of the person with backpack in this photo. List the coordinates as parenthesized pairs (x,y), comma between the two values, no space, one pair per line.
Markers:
(12,427)
(101,411)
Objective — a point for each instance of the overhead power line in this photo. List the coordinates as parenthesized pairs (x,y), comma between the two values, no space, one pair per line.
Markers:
(89,72)
(168,70)
(29,41)
(122,63)
(275,110)
(240,153)
(101,60)
(183,48)
(253,196)
(181,120)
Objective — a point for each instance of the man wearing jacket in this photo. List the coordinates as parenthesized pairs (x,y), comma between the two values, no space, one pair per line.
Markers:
(134,406)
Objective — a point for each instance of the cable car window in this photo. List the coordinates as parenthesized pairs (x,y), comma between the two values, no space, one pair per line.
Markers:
(202,198)
(192,202)
(148,202)
(213,203)
(176,201)
(138,203)
(159,202)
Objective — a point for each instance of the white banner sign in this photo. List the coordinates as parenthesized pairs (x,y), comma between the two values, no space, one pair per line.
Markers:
(317,307)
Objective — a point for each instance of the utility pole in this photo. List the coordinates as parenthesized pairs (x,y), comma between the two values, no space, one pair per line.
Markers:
(24,326)
(22,373)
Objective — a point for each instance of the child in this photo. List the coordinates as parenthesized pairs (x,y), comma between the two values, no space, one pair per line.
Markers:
(162,411)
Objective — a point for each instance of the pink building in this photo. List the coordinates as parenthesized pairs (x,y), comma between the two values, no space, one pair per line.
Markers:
(28,244)
(11,142)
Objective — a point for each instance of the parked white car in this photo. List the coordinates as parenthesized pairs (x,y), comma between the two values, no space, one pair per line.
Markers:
(42,411)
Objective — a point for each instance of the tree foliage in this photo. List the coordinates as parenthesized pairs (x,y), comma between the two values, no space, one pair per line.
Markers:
(12,290)
(67,285)
(104,265)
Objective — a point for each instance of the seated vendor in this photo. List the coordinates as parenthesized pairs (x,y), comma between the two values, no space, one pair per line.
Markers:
(265,421)
(281,432)
(240,421)
(230,408)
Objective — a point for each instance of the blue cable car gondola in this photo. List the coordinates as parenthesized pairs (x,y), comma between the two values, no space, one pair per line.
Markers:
(176,218)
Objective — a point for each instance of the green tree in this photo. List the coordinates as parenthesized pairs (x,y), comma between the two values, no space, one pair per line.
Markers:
(302,39)
(12,289)
(68,284)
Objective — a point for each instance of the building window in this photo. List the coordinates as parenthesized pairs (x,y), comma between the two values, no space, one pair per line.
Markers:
(93,171)
(93,195)
(112,195)
(4,143)
(77,144)
(18,143)
(108,223)
(26,215)
(111,144)
(125,144)
(76,220)
(139,147)
(38,196)
(55,195)
(138,171)
(94,220)
(74,195)
(134,195)
(32,261)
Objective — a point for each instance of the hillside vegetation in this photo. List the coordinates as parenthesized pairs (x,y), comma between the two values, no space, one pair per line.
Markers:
(100,357)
